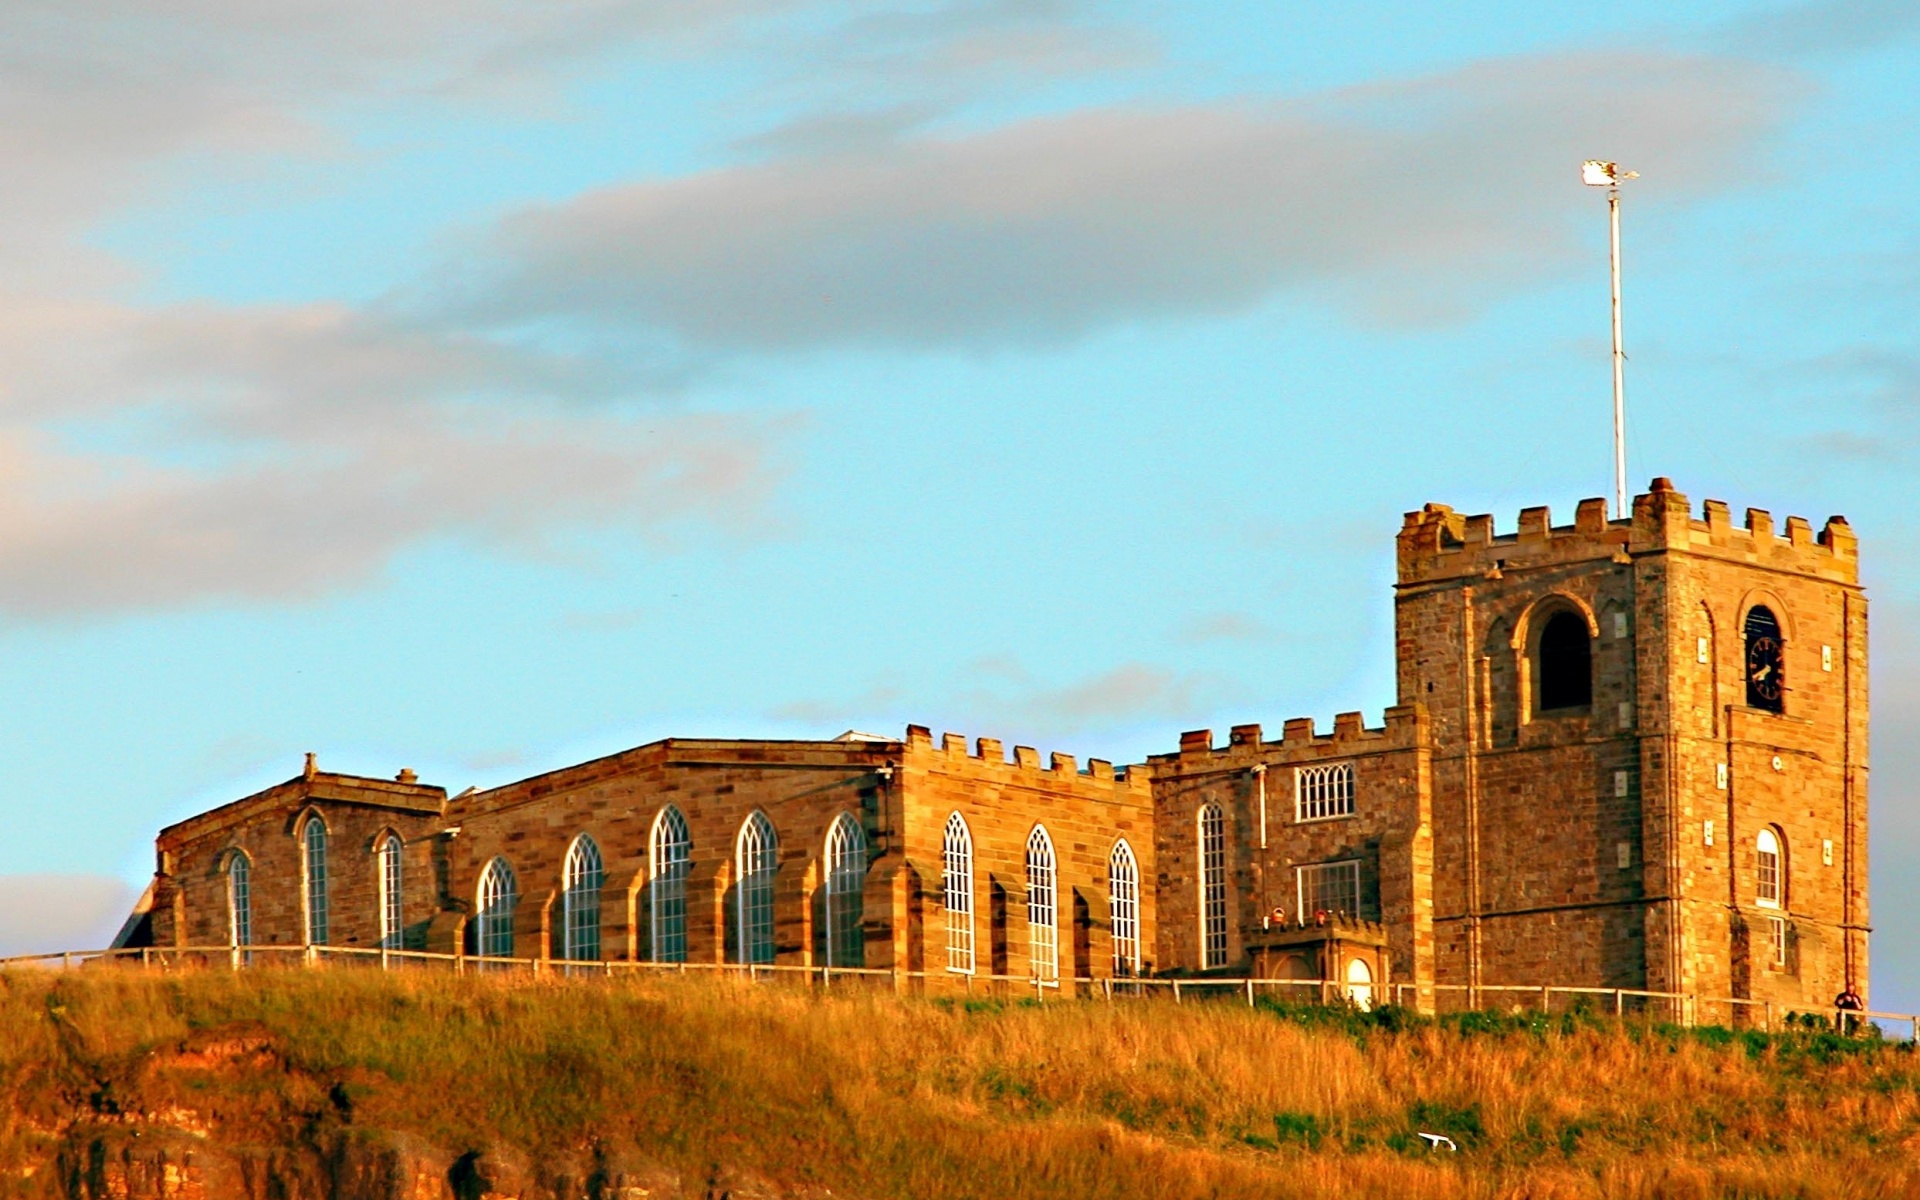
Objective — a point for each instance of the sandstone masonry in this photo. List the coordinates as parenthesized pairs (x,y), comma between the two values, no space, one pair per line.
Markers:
(1625,753)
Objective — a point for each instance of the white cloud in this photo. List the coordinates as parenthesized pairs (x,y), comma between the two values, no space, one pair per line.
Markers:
(1413,201)
(271,454)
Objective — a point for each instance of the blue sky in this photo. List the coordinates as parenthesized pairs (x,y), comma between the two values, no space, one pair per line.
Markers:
(477,386)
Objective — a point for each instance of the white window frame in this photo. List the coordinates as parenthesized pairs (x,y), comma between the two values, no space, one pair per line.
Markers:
(1777,941)
(846,892)
(1123,908)
(1323,792)
(756,856)
(1210,836)
(313,880)
(390,868)
(1770,876)
(669,860)
(584,876)
(240,899)
(1043,908)
(956,878)
(496,899)
(1346,866)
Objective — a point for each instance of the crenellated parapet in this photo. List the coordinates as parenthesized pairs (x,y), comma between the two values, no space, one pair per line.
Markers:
(987,761)
(1405,727)
(1437,544)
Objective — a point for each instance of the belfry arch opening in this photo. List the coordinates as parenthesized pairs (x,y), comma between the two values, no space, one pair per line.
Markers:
(1563,664)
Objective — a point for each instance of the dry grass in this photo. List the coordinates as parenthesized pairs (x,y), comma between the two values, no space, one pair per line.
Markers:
(871,1095)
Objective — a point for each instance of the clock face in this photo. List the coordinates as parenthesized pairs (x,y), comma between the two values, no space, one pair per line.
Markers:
(1763,671)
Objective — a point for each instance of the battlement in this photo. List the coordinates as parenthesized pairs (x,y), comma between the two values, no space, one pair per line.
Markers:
(989,756)
(1436,543)
(1404,727)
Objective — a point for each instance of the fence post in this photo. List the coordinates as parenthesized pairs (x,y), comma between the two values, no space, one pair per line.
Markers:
(1546,999)
(1176,991)
(1769,1016)
(146,958)
(1249,993)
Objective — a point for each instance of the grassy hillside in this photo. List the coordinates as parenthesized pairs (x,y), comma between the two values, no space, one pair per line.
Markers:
(343,1083)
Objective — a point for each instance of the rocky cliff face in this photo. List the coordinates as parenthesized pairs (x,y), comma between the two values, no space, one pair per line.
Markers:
(225,1115)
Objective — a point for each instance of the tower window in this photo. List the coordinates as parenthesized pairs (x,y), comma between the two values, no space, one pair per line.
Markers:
(1766,660)
(1767,856)
(1566,663)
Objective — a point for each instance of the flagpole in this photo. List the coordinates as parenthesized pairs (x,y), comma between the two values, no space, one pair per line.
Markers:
(1597,173)
(1619,367)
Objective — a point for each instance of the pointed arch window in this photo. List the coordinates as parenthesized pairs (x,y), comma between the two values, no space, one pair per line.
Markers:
(1212,830)
(1123,907)
(314,868)
(756,859)
(389,867)
(580,901)
(1766,661)
(1566,663)
(956,877)
(1770,861)
(239,900)
(669,858)
(1043,907)
(846,886)
(497,898)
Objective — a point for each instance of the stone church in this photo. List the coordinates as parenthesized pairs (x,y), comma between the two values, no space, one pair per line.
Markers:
(1624,753)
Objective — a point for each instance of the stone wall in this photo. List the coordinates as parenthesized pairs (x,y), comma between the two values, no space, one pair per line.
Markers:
(1085,815)
(1390,832)
(191,895)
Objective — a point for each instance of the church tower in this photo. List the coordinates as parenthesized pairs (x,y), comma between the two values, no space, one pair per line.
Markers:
(1649,748)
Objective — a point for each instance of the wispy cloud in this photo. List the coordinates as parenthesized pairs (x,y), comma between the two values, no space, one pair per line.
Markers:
(194,453)
(1410,202)
(204,453)
(271,454)
(1004,694)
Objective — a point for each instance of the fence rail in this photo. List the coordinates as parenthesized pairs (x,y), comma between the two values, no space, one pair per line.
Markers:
(1686,1008)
